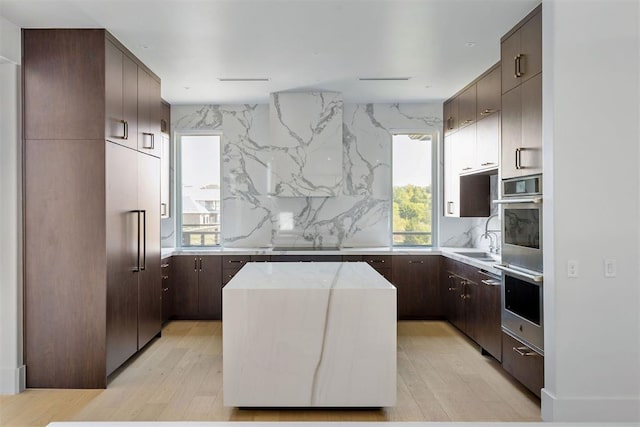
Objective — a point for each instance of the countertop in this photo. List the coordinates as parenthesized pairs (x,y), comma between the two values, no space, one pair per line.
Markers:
(448,252)
(308,275)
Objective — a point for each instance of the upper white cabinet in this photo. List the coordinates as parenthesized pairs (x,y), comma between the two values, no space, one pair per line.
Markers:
(306,136)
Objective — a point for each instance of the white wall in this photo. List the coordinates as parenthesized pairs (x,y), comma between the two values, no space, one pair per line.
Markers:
(11,368)
(591,93)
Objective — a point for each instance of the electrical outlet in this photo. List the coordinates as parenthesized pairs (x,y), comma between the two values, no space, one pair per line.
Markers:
(572,268)
(610,268)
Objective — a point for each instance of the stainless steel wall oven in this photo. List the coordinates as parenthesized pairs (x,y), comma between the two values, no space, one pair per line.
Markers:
(522,269)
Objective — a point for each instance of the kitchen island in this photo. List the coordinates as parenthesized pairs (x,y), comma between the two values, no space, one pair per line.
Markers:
(309,335)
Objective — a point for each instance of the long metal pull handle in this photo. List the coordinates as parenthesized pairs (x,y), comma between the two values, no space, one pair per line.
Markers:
(491,282)
(144,240)
(235,261)
(137,267)
(519,72)
(376,260)
(195,264)
(487,112)
(415,262)
(450,123)
(200,264)
(516,159)
(535,277)
(153,141)
(525,351)
(534,200)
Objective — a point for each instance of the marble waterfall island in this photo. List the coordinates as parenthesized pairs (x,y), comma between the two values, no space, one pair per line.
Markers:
(309,335)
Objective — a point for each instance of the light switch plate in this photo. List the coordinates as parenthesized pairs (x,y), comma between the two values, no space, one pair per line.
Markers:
(572,268)
(610,268)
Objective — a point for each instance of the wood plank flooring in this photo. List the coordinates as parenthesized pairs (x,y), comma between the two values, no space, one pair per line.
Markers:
(441,377)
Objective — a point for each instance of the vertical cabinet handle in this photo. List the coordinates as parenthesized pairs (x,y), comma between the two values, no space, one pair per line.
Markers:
(517,63)
(151,138)
(144,240)
(450,208)
(200,264)
(125,129)
(137,267)
(519,158)
(195,264)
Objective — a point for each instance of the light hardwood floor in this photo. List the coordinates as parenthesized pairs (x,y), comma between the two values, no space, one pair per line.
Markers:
(441,377)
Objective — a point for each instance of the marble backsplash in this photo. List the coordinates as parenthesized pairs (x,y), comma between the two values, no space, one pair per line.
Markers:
(359,216)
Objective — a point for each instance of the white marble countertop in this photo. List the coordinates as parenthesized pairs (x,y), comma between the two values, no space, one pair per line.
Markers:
(448,252)
(295,275)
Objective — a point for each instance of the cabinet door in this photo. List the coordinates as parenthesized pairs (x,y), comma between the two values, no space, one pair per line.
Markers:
(471,303)
(488,94)
(122,254)
(467,106)
(488,141)
(531,47)
(185,283)
(130,100)
(417,281)
(511,133)
(451,177)
(466,149)
(509,51)
(149,105)
(490,334)
(115,127)
(210,287)
(450,116)
(531,149)
(150,277)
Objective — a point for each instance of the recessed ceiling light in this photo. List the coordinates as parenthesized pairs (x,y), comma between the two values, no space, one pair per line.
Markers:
(428,86)
(238,79)
(470,44)
(187,87)
(383,79)
(144,46)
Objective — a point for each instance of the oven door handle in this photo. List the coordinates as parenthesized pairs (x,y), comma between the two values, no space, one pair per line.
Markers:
(535,277)
(534,200)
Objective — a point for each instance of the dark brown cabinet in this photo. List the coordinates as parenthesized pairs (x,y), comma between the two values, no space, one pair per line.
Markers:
(450,115)
(306,258)
(524,364)
(488,93)
(167,289)
(165,117)
(380,263)
(98,277)
(521,51)
(417,279)
(467,106)
(521,57)
(231,264)
(149,115)
(198,287)
(471,301)
(121,89)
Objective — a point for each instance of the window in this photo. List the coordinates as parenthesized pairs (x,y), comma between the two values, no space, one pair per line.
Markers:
(199,186)
(412,168)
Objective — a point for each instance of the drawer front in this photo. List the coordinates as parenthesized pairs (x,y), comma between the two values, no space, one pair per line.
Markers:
(378,261)
(228,274)
(523,364)
(260,258)
(234,262)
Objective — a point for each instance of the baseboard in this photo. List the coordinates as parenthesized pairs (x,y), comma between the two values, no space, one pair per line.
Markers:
(589,409)
(12,380)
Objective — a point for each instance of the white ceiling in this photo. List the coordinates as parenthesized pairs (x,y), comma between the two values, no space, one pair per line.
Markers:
(297,44)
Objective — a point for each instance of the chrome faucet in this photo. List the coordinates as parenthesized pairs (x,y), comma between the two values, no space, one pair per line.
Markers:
(494,247)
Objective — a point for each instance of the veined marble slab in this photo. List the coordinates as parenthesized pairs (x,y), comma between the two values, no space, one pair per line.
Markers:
(309,335)
(306,140)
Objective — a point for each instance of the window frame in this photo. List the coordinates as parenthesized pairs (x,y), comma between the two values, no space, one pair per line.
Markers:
(435,185)
(178,183)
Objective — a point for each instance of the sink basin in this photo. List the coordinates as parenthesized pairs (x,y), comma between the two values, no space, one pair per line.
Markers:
(480,256)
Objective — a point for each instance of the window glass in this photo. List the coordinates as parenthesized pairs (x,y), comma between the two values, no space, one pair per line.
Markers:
(200,190)
(412,190)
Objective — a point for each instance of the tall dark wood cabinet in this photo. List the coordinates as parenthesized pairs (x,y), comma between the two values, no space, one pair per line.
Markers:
(521,59)
(91,209)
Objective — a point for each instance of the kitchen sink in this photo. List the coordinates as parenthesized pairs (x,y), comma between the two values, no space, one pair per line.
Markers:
(480,256)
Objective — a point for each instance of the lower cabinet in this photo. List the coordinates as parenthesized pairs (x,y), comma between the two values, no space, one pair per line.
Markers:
(167,290)
(471,302)
(198,287)
(417,279)
(526,365)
